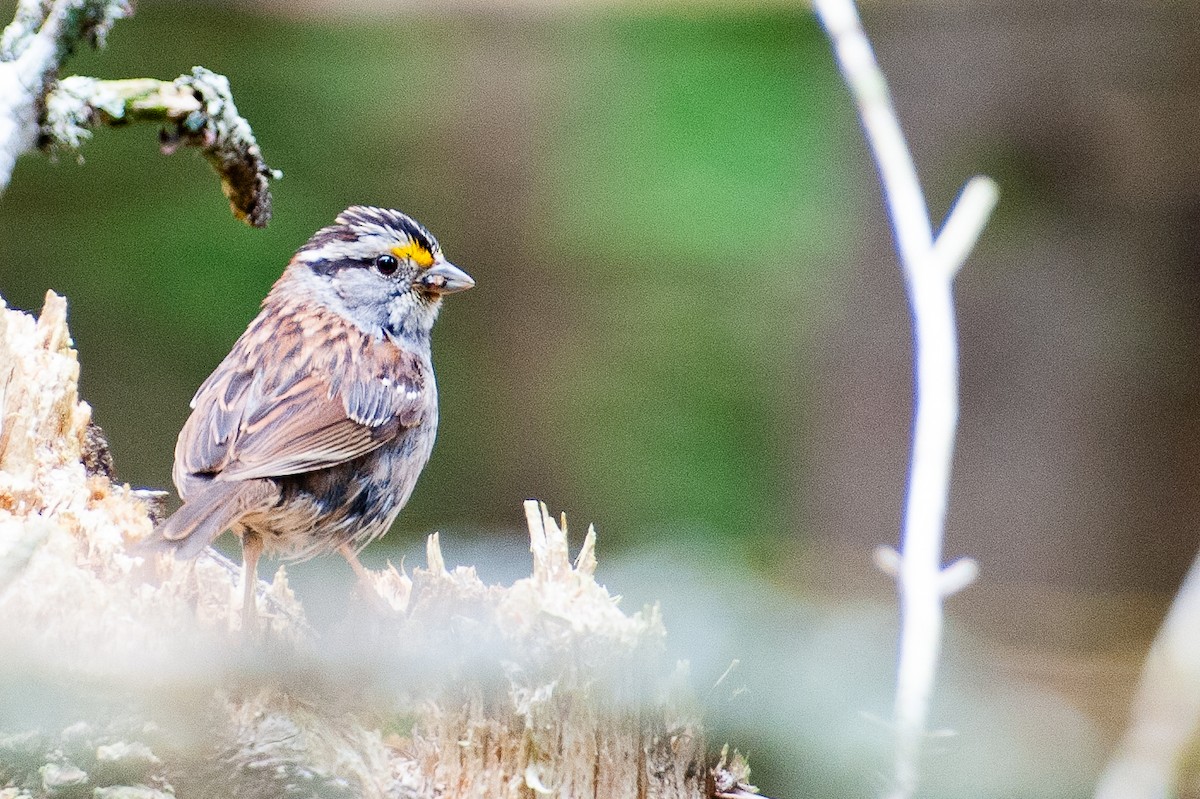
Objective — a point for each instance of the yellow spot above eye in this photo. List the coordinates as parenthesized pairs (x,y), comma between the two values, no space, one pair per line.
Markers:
(418,254)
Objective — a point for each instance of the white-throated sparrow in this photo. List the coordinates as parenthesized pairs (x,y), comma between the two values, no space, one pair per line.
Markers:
(310,435)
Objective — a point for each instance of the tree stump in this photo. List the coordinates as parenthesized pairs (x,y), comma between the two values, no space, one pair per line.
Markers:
(126,675)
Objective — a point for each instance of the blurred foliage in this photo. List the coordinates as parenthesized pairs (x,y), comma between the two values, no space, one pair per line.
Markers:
(689,193)
(641,198)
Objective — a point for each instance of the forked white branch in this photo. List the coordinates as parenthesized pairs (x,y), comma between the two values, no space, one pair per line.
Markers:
(929,265)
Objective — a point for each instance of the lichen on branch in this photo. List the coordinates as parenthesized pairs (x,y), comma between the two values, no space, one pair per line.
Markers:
(195,110)
(66,22)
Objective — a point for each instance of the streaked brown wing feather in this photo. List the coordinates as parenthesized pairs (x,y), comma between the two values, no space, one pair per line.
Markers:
(304,430)
(250,423)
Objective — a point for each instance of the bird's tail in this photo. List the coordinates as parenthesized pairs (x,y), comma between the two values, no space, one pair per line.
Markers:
(206,514)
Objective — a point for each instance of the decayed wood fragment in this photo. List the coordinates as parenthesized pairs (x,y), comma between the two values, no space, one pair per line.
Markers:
(127,677)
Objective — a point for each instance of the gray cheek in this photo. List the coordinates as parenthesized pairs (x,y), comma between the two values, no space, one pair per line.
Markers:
(365,297)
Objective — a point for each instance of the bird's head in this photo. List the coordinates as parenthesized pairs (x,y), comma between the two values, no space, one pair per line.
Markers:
(379,268)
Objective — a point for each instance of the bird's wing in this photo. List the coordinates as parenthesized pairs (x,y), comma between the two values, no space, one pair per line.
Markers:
(252,421)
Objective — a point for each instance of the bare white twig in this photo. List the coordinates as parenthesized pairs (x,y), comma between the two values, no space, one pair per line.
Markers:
(1166,710)
(965,222)
(929,267)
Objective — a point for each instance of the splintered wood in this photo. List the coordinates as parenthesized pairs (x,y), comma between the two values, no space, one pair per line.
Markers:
(126,675)
(560,692)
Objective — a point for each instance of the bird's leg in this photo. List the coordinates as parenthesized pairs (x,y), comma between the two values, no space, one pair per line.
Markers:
(360,571)
(252,547)
(365,586)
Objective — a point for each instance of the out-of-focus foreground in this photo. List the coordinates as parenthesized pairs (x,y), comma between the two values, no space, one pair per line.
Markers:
(689,328)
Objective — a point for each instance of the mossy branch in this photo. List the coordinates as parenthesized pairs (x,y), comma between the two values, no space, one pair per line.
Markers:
(196,110)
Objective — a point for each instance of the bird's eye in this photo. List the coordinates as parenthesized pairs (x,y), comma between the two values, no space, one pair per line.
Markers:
(387,264)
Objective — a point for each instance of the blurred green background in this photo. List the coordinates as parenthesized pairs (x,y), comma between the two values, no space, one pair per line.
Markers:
(629,191)
(688,326)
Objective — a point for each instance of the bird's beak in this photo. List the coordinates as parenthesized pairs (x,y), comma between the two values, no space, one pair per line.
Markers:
(446,278)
